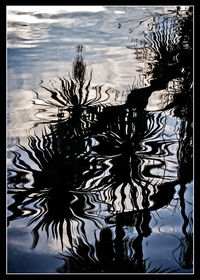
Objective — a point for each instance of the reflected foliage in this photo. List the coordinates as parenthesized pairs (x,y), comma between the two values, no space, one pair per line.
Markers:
(100,172)
(110,255)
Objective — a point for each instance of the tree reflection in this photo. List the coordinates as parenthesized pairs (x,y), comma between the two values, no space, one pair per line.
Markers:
(102,170)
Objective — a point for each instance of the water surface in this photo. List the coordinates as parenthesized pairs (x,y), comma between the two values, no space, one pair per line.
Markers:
(100,157)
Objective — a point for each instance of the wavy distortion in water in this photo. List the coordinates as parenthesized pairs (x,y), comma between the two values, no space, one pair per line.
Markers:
(103,174)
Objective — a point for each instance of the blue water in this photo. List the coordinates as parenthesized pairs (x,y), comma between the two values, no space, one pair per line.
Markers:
(100,177)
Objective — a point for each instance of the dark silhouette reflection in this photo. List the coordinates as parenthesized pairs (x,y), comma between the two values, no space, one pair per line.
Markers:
(100,171)
(109,254)
(74,91)
(185,256)
(167,48)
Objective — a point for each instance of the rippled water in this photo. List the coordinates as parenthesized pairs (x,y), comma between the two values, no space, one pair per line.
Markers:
(100,157)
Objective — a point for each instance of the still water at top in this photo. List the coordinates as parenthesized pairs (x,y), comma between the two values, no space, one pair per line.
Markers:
(99,103)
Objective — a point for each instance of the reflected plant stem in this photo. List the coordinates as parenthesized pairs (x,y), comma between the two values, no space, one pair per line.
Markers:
(185,259)
(182,204)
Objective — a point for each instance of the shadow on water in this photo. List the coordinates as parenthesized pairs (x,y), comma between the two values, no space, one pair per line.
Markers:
(101,170)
